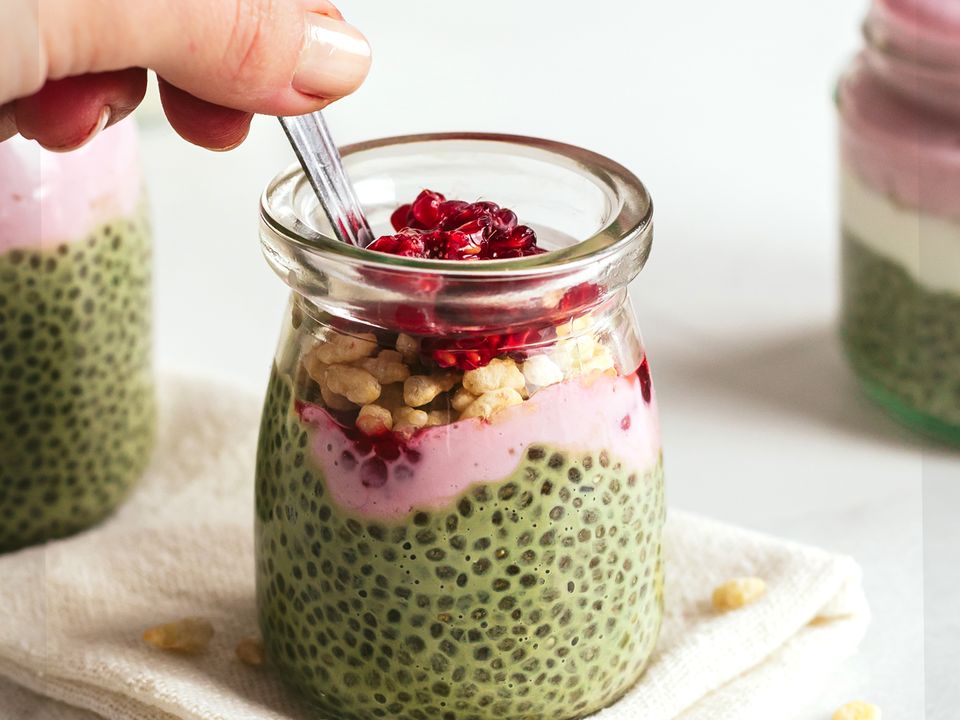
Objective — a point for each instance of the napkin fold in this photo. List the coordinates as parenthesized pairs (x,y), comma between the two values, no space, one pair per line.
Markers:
(72,612)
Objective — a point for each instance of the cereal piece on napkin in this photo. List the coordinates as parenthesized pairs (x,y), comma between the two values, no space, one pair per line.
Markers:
(250,651)
(190,636)
(857,710)
(736,593)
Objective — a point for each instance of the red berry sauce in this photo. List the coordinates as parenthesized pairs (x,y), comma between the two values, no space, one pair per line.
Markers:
(374,454)
(643,373)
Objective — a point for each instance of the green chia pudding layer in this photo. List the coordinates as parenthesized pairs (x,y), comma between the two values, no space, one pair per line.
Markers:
(902,339)
(538,594)
(76,391)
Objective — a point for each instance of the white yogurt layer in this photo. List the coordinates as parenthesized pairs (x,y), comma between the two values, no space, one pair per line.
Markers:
(927,246)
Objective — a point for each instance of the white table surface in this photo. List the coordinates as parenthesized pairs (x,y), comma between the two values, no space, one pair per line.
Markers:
(724,109)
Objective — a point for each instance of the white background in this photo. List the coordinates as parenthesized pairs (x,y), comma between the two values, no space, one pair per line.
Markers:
(724,109)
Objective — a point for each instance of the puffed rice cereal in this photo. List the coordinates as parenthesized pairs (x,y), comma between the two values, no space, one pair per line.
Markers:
(540,371)
(499,373)
(340,348)
(406,419)
(190,636)
(461,398)
(355,384)
(492,402)
(857,710)
(387,367)
(250,651)
(374,420)
(738,592)
(409,347)
(421,389)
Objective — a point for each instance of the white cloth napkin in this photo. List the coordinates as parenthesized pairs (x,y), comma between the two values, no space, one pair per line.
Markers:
(72,613)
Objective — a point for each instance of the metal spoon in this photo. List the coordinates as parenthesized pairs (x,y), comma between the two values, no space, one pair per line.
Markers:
(321,162)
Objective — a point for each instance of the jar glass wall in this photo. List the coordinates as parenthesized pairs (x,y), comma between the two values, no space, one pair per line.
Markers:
(76,385)
(899,107)
(459,483)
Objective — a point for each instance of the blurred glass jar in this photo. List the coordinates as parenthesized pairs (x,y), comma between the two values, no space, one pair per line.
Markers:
(459,483)
(76,385)
(899,106)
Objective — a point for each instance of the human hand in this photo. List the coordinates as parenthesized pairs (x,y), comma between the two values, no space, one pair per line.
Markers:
(219,61)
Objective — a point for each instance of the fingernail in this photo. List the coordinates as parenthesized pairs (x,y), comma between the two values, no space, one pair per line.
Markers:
(101,123)
(335,58)
(236,141)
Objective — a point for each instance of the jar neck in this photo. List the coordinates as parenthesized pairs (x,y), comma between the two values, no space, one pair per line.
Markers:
(914,49)
(593,214)
(451,305)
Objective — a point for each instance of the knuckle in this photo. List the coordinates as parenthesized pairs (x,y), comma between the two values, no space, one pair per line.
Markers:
(245,50)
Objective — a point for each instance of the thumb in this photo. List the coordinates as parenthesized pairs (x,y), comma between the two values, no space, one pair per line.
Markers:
(277,57)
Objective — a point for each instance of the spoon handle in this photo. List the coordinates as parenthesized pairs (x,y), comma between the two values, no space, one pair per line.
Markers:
(321,162)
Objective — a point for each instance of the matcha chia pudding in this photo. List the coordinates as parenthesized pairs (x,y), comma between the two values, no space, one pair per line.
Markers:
(459,480)
(76,392)
(900,208)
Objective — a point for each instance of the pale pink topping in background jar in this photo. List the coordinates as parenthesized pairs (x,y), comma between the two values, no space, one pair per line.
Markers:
(92,185)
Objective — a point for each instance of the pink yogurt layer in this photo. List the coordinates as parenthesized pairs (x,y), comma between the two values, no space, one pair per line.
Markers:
(896,146)
(49,198)
(929,29)
(605,414)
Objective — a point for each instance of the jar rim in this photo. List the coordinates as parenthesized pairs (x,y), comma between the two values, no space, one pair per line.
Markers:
(628,225)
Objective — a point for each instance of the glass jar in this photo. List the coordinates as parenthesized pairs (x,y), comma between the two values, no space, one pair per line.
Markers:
(470,526)
(899,108)
(76,386)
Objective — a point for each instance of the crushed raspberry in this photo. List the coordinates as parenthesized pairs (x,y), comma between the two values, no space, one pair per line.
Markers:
(409,243)
(435,228)
(474,352)
(412,320)
(387,447)
(372,453)
(439,229)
